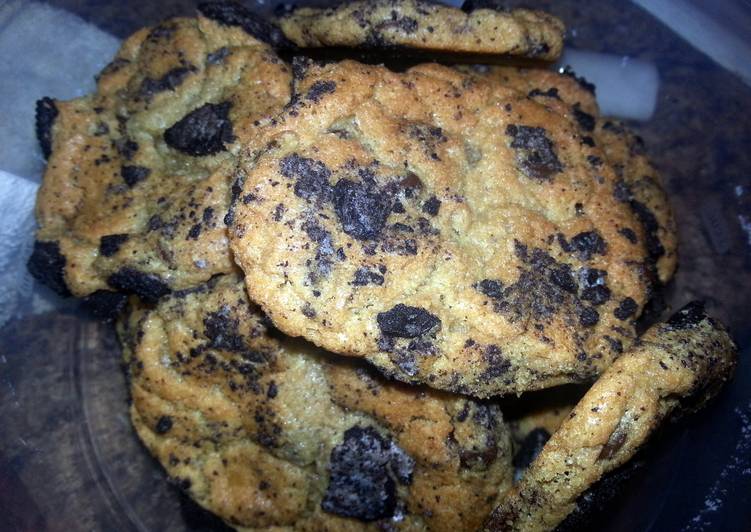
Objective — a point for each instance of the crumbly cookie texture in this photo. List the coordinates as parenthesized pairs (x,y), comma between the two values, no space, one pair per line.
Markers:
(270,434)
(686,359)
(448,229)
(420,25)
(131,199)
(639,184)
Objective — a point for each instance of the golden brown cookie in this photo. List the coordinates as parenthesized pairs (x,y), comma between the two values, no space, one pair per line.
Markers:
(425,26)
(687,358)
(267,432)
(640,187)
(131,199)
(639,183)
(448,229)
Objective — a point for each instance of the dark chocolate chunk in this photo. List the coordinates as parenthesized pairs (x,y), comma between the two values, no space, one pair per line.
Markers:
(688,317)
(589,317)
(365,276)
(148,286)
(169,82)
(363,472)
(431,206)
(587,244)
(407,322)
(319,89)
(47,265)
(132,175)
(626,309)
(535,152)
(46,113)
(203,131)
(361,209)
(312,177)
(110,244)
(586,121)
(529,449)
(163,425)
(491,288)
(232,13)
(104,304)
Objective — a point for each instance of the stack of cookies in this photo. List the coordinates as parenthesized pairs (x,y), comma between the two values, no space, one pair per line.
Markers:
(325,274)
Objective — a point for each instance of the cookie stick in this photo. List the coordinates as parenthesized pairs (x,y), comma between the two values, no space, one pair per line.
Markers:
(689,357)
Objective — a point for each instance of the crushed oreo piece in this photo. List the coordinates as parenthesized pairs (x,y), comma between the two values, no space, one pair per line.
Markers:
(585,120)
(589,317)
(110,244)
(163,425)
(132,175)
(169,82)
(203,131)
(597,295)
(105,305)
(47,265)
(319,89)
(587,244)
(147,286)
(688,317)
(232,13)
(535,152)
(407,322)
(364,470)
(361,209)
(312,177)
(46,113)
(581,80)
(626,309)
(431,206)
(365,276)
(491,288)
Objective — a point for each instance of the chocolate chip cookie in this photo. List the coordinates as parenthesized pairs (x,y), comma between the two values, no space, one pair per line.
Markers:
(685,360)
(132,200)
(425,26)
(450,230)
(267,431)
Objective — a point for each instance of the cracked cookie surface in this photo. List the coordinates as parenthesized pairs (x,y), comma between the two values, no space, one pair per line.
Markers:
(269,433)
(425,26)
(448,229)
(131,200)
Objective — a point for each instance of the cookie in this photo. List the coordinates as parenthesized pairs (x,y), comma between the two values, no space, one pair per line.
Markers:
(685,360)
(131,200)
(639,184)
(450,230)
(424,26)
(269,433)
